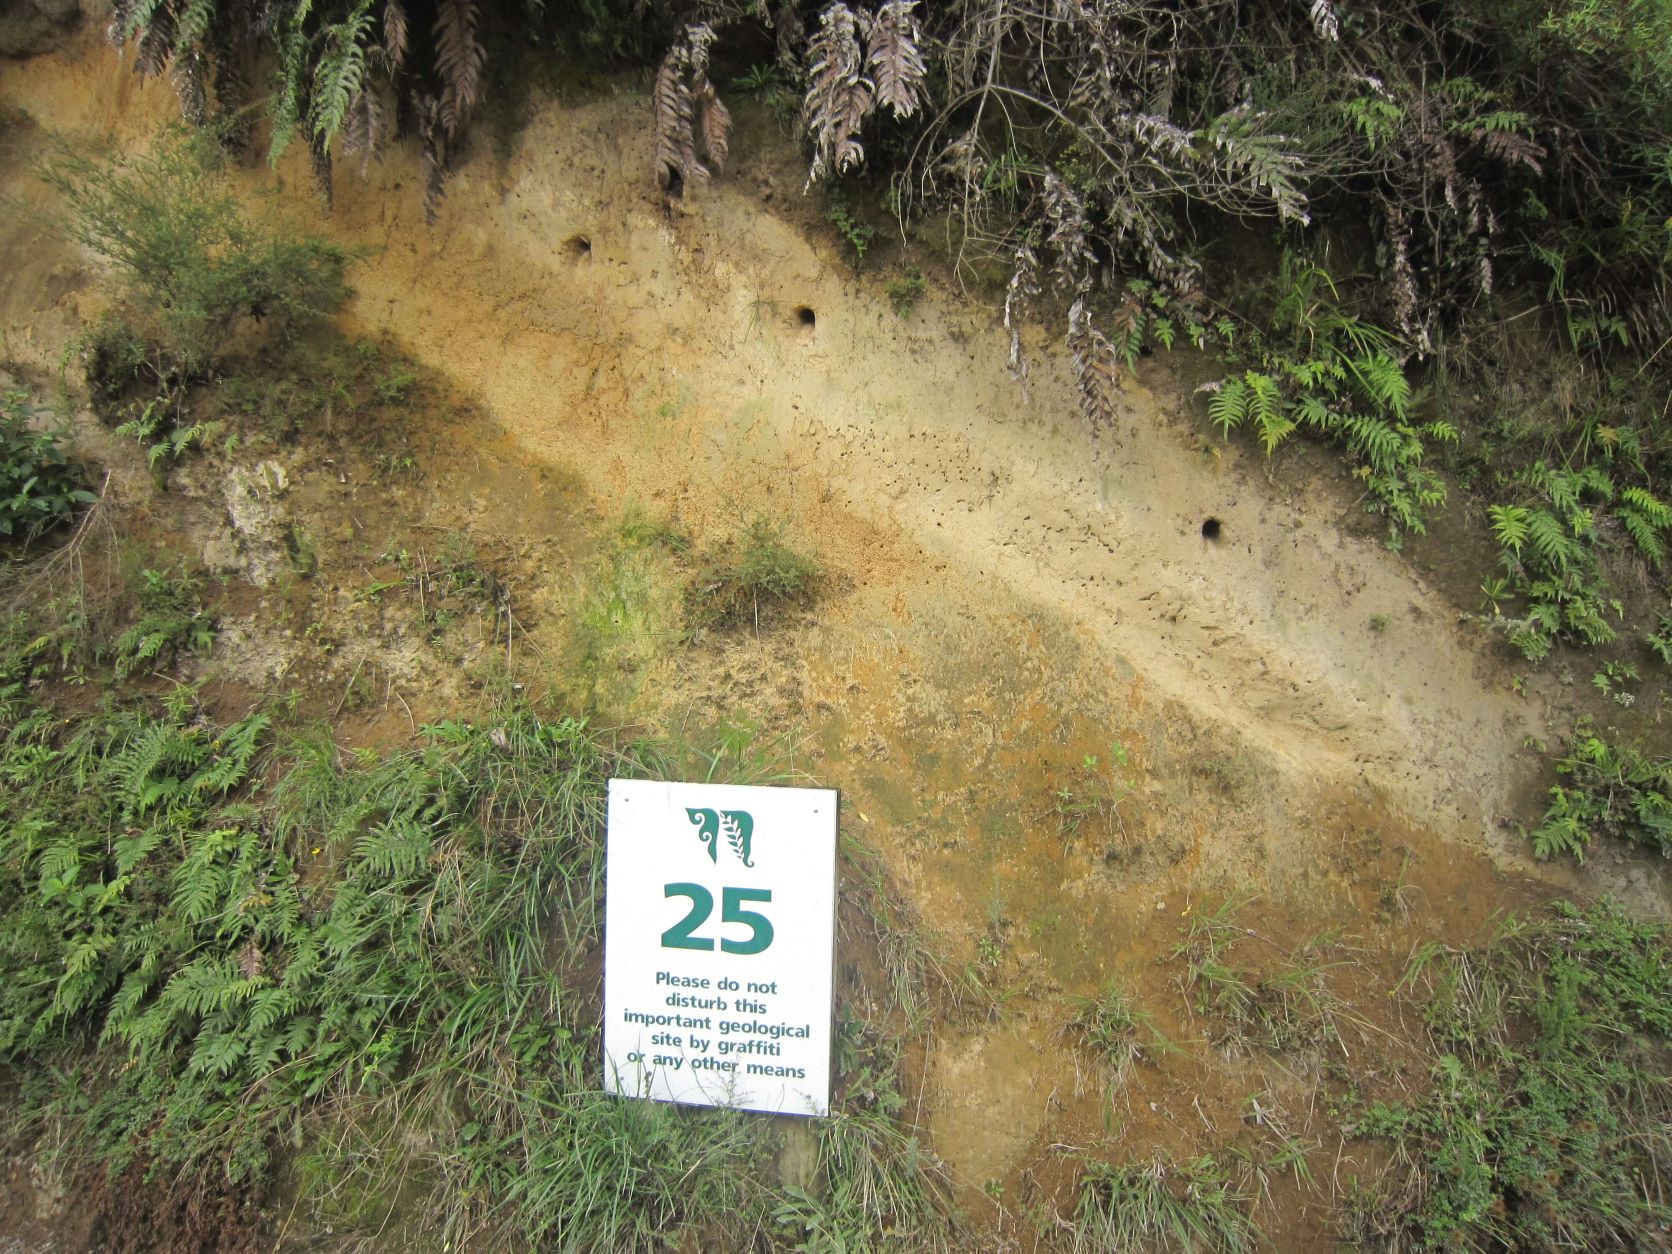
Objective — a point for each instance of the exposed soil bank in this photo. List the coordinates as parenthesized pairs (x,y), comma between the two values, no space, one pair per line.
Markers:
(1006,597)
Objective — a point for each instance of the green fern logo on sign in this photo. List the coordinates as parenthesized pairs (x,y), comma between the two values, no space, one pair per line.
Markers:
(735,827)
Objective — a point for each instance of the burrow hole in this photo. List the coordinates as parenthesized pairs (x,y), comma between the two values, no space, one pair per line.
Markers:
(1211,529)
(578,248)
(805,320)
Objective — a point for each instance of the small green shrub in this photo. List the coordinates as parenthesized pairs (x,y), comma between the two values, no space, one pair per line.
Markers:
(1613,789)
(854,230)
(905,291)
(637,530)
(172,620)
(1545,1123)
(752,570)
(39,487)
(193,264)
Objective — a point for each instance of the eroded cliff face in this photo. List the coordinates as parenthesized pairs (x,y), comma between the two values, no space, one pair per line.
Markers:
(714,357)
(1006,596)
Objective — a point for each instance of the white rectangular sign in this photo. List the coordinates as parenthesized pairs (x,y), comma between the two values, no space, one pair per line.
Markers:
(719,938)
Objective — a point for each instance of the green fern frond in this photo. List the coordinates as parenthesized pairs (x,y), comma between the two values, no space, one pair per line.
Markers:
(1229,407)
(1383,380)
(192,22)
(234,750)
(208,985)
(339,74)
(1552,541)
(1597,481)
(218,1052)
(132,850)
(1560,488)
(134,989)
(288,108)
(1644,533)
(1377,443)
(60,861)
(136,18)
(200,882)
(1649,505)
(394,850)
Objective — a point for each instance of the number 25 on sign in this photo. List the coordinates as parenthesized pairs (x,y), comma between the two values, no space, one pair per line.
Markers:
(681,935)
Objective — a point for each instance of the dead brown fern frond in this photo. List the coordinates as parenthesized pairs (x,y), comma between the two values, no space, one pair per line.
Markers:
(1324,20)
(156,43)
(395,35)
(893,57)
(1512,148)
(676,152)
(1019,296)
(1069,236)
(1093,358)
(363,128)
(459,58)
(433,144)
(716,123)
(689,113)
(839,96)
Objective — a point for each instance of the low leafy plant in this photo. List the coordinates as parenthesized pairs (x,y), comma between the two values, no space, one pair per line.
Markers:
(854,230)
(1282,1010)
(1546,1119)
(324,379)
(172,620)
(1614,789)
(905,291)
(911,965)
(1117,1033)
(40,488)
(1660,639)
(1549,549)
(875,1179)
(753,570)
(1089,799)
(161,424)
(1613,680)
